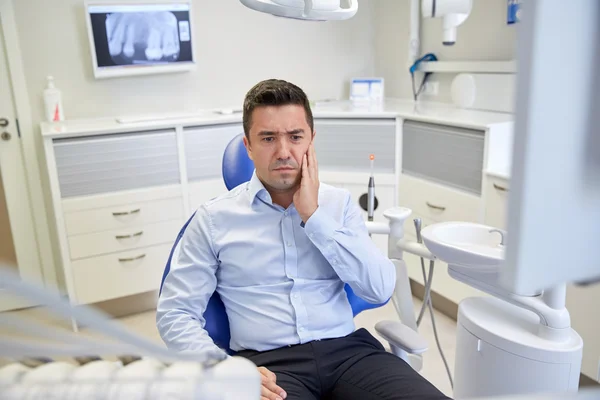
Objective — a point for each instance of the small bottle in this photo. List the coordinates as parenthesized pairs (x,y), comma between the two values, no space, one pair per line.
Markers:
(53,102)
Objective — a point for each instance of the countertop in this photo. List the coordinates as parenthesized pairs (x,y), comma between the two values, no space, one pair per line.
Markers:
(390,108)
(502,173)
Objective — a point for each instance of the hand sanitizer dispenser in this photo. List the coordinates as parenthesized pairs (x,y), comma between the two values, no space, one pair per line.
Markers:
(53,102)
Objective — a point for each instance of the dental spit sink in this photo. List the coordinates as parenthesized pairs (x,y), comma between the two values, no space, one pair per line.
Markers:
(466,244)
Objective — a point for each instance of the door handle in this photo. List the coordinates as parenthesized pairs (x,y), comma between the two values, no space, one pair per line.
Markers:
(3,122)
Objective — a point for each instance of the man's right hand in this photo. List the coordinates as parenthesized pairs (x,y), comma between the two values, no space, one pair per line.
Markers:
(269,390)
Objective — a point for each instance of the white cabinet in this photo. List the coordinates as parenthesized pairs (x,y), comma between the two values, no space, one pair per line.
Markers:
(118,207)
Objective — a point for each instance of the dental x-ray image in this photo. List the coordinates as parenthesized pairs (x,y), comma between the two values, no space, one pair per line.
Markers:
(142,36)
(127,35)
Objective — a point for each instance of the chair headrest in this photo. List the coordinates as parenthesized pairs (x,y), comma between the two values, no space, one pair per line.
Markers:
(237,167)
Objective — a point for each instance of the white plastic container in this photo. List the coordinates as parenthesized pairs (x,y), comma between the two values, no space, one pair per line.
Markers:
(53,102)
(486,92)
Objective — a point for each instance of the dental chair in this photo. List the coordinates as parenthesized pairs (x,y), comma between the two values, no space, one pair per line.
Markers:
(237,168)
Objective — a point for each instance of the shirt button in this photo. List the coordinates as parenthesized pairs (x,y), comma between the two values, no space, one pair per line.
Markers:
(289,244)
(301,328)
(285,213)
(295,296)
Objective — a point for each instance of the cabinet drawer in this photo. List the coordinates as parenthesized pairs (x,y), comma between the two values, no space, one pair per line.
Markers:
(126,216)
(204,148)
(120,274)
(201,192)
(93,244)
(110,163)
(496,202)
(436,202)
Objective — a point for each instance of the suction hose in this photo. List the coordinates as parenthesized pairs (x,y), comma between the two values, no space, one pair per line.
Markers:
(427,302)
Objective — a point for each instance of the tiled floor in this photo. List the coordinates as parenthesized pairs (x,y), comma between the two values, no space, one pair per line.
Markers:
(433,369)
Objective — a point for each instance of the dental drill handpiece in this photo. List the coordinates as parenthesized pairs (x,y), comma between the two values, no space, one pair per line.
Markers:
(371,192)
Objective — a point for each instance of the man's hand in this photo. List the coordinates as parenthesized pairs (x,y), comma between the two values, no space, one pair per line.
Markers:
(306,199)
(269,390)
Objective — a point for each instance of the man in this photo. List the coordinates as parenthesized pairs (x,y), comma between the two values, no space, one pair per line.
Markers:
(278,250)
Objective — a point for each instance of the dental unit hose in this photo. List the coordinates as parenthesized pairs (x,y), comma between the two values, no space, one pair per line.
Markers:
(427,303)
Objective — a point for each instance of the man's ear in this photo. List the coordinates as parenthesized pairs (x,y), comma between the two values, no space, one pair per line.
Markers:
(313,136)
(247,146)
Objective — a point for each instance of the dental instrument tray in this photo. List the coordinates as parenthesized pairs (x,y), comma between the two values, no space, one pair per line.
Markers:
(45,361)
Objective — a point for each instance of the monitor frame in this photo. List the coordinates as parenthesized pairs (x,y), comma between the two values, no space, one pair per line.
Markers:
(136,70)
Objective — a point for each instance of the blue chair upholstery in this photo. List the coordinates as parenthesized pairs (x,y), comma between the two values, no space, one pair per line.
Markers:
(237,168)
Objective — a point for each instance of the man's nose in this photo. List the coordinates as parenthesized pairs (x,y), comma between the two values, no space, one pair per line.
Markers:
(283,150)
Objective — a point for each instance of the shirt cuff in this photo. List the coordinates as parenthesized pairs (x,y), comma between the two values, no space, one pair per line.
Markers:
(320,224)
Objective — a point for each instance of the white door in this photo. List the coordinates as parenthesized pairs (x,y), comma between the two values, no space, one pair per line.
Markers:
(18,243)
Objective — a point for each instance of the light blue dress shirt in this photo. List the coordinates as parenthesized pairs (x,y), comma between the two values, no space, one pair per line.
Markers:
(281,281)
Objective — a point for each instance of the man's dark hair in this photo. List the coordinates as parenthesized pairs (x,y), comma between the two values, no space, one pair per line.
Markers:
(274,92)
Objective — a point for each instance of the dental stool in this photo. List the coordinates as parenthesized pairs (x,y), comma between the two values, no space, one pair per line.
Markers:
(237,168)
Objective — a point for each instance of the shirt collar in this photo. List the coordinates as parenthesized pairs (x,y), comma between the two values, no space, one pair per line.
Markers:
(255,187)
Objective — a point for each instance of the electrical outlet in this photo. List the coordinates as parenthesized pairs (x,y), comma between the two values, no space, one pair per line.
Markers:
(431,88)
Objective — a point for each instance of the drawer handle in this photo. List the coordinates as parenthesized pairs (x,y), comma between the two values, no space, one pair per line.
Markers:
(502,189)
(140,233)
(118,214)
(132,258)
(435,207)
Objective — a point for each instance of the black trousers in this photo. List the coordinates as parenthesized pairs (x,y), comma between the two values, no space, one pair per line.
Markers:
(355,367)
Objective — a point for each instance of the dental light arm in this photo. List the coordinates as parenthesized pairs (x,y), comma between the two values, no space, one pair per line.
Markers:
(310,10)
(452,12)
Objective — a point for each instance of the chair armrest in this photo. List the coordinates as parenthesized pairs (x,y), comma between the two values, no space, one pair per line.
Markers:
(400,335)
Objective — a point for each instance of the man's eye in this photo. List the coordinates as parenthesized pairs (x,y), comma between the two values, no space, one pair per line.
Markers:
(296,137)
(268,139)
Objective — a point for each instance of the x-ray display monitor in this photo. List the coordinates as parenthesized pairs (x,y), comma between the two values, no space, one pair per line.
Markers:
(133,39)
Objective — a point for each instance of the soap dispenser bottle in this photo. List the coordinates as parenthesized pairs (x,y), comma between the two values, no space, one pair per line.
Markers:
(53,102)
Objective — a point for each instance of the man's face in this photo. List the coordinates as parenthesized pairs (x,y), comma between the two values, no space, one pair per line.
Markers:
(279,138)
